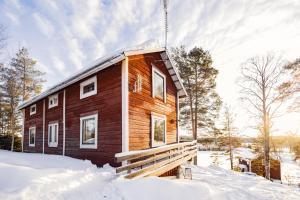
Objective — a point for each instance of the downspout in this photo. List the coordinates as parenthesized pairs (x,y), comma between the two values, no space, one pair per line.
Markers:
(64,123)
(23,128)
(44,114)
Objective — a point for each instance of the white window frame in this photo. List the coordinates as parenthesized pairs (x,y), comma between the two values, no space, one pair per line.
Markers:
(155,70)
(32,113)
(89,146)
(53,144)
(85,83)
(31,128)
(51,98)
(160,117)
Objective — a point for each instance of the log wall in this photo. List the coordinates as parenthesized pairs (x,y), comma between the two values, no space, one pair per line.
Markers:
(142,104)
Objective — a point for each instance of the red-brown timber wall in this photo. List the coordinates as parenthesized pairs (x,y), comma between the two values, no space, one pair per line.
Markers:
(107,103)
(54,115)
(142,104)
(37,121)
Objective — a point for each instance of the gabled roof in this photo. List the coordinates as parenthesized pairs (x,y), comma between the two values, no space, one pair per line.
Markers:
(108,61)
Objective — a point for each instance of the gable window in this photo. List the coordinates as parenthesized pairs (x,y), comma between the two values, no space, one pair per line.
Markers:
(53,101)
(32,136)
(88,87)
(158,124)
(89,131)
(158,84)
(53,135)
(33,109)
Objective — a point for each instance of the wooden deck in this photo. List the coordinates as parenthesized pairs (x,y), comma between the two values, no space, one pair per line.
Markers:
(155,161)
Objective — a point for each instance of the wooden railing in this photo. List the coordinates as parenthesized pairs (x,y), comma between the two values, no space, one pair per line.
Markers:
(155,161)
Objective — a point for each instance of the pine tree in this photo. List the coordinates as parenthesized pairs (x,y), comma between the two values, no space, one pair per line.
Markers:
(19,81)
(30,78)
(292,86)
(201,107)
(11,99)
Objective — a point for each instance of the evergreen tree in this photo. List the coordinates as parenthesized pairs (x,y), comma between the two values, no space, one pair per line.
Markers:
(11,99)
(201,107)
(292,86)
(30,78)
(18,82)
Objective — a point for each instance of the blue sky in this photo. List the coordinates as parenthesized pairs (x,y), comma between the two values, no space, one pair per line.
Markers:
(64,36)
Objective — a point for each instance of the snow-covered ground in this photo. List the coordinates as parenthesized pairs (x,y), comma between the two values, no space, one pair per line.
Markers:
(290,170)
(221,158)
(36,176)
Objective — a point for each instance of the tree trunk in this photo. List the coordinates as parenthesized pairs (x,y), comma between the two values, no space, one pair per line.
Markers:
(12,141)
(12,132)
(230,152)
(266,133)
(196,112)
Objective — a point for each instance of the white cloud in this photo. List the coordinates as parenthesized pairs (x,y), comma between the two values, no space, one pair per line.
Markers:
(75,53)
(59,66)
(79,31)
(43,24)
(14,3)
(13,18)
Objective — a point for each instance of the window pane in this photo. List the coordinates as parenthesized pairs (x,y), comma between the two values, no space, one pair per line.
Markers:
(158,85)
(31,135)
(88,131)
(88,88)
(33,109)
(159,131)
(50,134)
(55,133)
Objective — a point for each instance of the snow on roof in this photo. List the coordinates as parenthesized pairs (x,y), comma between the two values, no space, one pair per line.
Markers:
(107,61)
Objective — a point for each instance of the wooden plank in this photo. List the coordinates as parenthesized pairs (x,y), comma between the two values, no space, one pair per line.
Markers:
(150,151)
(146,161)
(170,166)
(155,166)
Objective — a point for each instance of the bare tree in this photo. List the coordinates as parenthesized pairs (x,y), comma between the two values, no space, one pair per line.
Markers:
(259,82)
(229,129)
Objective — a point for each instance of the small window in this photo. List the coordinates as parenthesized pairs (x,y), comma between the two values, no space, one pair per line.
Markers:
(89,131)
(158,130)
(53,101)
(53,135)
(88,87)
(33,109)
(158,84)
(32,136)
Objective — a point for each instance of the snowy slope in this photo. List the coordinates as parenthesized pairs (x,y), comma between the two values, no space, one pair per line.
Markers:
(36,176)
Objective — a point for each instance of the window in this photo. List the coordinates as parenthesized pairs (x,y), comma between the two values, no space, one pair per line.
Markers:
(158,84)
(53,135)
(33,109)
(158,130)
(89,131)
(53,101)
(32,136)
(88,87)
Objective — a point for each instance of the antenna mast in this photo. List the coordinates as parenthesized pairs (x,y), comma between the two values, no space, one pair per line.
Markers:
(165,2)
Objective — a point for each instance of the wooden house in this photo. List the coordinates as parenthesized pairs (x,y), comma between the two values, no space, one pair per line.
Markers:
(122,103)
